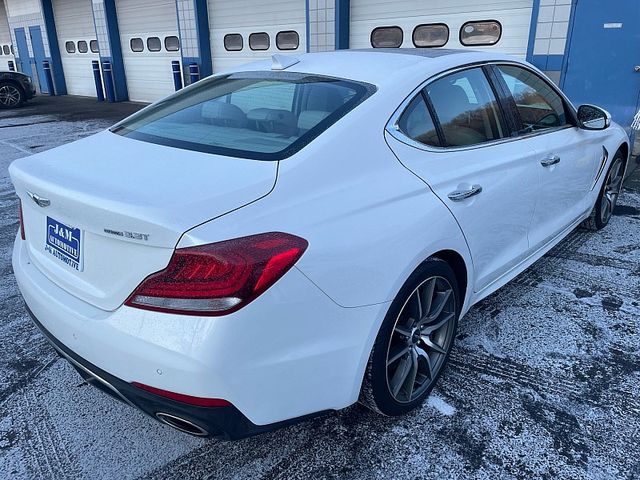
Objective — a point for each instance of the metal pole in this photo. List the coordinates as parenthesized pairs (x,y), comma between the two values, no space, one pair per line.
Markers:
(194,72)
(108,81)
(98,80)
(177,75)
(48,77)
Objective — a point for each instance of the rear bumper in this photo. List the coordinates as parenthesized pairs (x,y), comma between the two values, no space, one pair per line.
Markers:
(288,355)
(226,423)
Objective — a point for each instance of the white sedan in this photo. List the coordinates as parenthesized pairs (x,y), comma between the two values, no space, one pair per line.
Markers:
(305,233)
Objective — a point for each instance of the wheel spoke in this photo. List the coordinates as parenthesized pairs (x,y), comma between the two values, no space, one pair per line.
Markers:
(428,291)
(400,375)
(429,329)
(427,359)
(411,377)
(399,354)
(441,301)
(432,345)
(402,330)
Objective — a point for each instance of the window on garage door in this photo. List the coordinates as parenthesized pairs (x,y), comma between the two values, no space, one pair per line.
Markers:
(83,47)
(386,37)
(136,44)
(466,108)
(70,47)
(259,41)
(171,43)
(233,42)
(287,40)
(93,45)
(486,32)
(154,44)
(6,50)
(431,35)
(539,106)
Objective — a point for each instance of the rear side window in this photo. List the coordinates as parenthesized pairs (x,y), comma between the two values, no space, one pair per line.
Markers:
(467,109)
(259,41)
(70,47)
(417,124)
(93,45)
(487,32)
(233,42)
(538,104)
(154,44)
(386,37)
(264,116)
(136,44)
(431,35)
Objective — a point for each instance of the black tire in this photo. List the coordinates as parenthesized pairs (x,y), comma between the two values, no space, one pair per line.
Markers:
(11,95)
(608,196)
(378,383)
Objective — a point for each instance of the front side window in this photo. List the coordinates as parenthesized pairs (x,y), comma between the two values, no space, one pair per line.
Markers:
(264,116)
(538,104)
(154,44)
(259,41)
(386,37)
(136,44)
(467,109)
(486,32)
(70,47)
(83,47)
(431,35)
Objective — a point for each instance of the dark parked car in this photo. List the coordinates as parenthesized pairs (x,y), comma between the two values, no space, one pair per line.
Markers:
(15,89)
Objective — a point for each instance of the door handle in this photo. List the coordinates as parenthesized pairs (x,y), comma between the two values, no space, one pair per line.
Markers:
(459,195)
(547,162)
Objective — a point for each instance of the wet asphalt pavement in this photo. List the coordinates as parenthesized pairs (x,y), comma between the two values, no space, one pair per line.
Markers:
(543,382)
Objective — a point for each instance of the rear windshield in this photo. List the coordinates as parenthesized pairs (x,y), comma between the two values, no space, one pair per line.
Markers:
(258,115)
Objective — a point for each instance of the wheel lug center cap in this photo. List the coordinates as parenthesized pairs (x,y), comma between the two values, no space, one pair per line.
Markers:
(415,336)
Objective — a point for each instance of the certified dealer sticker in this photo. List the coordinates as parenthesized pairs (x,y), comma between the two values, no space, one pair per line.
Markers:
(64,243)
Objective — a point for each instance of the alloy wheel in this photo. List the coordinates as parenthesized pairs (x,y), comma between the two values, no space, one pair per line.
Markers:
(611,191)
(10,96)
(420,340)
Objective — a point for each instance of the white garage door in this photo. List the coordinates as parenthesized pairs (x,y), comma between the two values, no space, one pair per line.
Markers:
(149,38)
(6,52)
(78,45)
(514,17)
(255,29)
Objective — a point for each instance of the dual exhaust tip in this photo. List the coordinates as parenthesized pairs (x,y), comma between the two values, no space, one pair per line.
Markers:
(181,424)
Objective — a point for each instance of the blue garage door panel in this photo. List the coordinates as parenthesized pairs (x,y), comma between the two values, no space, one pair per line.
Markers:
(39,56)
(23,51)
(603,55)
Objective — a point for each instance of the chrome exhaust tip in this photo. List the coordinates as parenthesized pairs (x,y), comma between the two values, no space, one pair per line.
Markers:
(181,424)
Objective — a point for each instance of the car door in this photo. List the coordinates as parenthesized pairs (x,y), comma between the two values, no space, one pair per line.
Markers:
(455,137)
(568,156)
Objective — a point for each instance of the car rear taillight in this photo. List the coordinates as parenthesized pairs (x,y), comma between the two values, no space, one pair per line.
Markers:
(22,234)
(219,278)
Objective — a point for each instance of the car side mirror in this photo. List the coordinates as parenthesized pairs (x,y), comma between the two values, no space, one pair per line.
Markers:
(591,117)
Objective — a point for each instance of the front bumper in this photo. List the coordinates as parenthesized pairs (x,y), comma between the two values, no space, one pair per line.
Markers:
(226,423)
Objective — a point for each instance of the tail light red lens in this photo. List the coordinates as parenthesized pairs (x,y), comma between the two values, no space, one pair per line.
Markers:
(22,234)
(219,278)
(181,397)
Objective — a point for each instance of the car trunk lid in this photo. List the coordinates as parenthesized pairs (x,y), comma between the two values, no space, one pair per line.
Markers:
(103,213)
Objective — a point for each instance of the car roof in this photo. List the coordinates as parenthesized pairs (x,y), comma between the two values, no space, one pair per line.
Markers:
(383,66)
